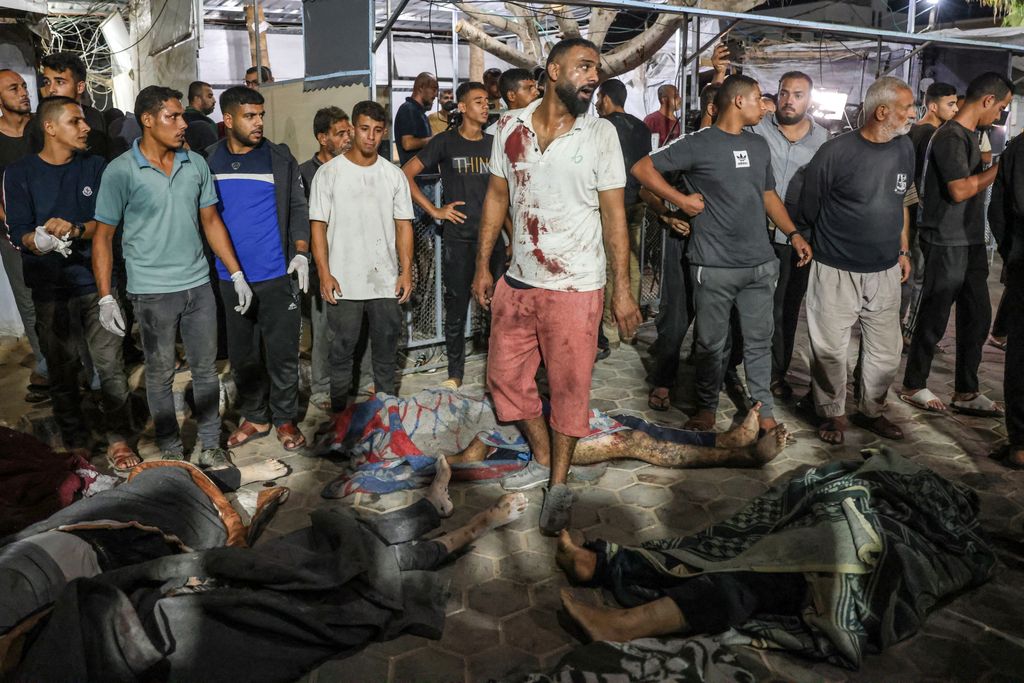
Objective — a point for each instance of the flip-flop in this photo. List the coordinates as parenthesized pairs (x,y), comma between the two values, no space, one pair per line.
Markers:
(695,424)
(248,433)
(992,341)
(118,457)
(659,403)
(979,406)
(919,399)
(880,425)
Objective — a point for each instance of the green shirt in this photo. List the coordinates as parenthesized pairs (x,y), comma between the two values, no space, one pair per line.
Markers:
(163,248)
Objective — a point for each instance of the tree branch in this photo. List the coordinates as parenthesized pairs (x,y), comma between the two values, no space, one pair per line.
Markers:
(502,24)
(640,47)
(534,47)
(473,32)
(566,24)
(600,21)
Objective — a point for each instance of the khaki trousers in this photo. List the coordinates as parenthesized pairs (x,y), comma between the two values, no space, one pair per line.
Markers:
(836,300)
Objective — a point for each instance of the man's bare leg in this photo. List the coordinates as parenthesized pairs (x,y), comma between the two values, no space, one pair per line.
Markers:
(476,451)
(659,618)
(578,563)
(438,492)
(743,435)
(508,509)
(640,446)
(260,471)
(562,449)
(536,432)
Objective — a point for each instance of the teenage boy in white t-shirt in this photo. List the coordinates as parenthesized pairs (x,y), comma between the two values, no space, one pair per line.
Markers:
(360,213)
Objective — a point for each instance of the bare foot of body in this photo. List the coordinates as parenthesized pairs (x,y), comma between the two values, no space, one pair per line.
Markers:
(577,562)
(508,509)
(771,444)
(657,618)
(438,492)
(743,435)
(767,423)
(262,471)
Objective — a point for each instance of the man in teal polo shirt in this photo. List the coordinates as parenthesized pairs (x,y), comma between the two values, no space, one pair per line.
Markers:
(162,194)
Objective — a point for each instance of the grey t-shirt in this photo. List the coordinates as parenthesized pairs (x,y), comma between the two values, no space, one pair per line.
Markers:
(954,154)
(732,172)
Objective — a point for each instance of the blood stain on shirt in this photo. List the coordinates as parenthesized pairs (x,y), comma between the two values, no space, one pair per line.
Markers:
(516,144)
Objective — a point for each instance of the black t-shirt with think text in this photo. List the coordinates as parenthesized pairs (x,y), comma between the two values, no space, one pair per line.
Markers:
(465,173)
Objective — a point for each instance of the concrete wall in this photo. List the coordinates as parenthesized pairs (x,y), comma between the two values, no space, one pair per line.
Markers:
(290,112)
(176,67)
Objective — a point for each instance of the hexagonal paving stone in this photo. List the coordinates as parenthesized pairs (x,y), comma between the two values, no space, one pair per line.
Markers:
(658,476)
(615,479)
(470,570)
(526,566)
(645,496)
(545,594)
(501,662)
(627,517)
(498,544)
(498,597)
(429,666)
(469,632)
(536,631)
(356,669)
(742,487)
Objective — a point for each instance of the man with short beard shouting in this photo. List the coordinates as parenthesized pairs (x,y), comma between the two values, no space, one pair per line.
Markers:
(563,176)
(853,196)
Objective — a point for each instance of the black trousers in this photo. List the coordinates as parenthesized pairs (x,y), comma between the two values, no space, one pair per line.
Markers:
(1013,368)
(346,321)
(789,295)
(458,266)
(674,314)
(268,386)
(952,275)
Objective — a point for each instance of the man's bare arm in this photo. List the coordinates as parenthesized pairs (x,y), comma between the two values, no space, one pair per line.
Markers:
(218,238)
(776,210)
(411,143)
(616,246)
(103,257)
(651,178)
(495,211)
(963,189)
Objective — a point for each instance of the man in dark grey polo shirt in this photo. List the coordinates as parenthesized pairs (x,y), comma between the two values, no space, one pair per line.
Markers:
(730,174)
(793,138)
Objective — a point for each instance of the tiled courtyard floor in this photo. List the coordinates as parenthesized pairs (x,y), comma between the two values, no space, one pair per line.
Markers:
(503,612)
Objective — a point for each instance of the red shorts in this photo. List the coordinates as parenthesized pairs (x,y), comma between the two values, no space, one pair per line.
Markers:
(561,327)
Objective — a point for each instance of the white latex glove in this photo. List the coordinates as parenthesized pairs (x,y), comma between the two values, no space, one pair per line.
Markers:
(300,265)
(63,247)
(110,316)
(243,292)
(45,242)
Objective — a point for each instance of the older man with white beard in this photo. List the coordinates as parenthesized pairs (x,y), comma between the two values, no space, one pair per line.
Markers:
(854,194)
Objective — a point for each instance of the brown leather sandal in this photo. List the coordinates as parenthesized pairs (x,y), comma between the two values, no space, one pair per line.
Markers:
(290,436)
(245,433)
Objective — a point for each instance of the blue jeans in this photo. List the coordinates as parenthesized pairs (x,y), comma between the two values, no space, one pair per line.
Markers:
(161,316)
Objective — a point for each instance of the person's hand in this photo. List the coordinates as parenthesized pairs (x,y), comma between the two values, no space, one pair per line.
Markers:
(720,58)
(330,290)
(60,228)
(44,242)
(243,291)
(626,313)
(905,267)
(803,249)
(403,289)
(110,316)
(692,204)
(300,264)
(677,225)
(448,212)
(483,288)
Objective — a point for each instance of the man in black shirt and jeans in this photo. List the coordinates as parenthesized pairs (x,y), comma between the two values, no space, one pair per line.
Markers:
(1006,218)
(463,155)
(853,198)
(952,233)
(635,140)
(51,197)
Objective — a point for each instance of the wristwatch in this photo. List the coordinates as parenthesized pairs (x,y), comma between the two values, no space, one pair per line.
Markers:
(904,253)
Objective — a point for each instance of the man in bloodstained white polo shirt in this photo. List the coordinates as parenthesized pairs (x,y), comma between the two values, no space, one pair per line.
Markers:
(561,173)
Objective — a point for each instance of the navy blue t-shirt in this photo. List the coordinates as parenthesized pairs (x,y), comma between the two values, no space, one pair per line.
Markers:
(411,119)
(36,191)
(248,206)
